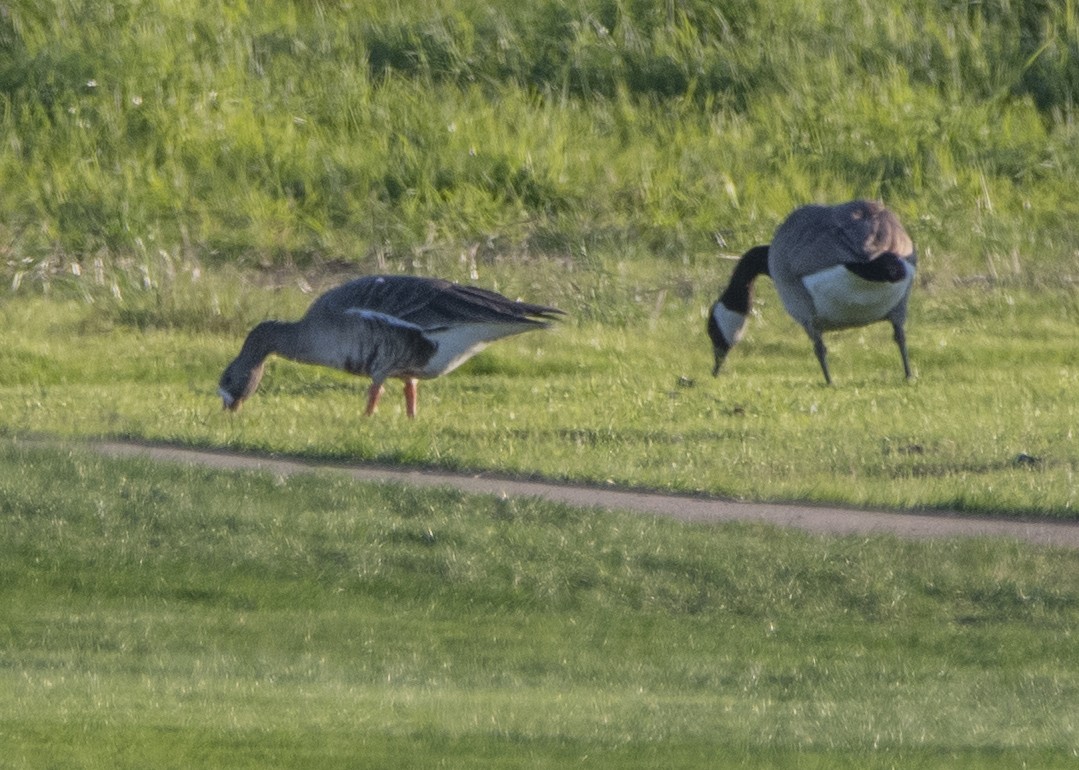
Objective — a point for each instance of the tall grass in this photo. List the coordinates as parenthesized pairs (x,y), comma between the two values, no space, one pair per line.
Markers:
(407,135)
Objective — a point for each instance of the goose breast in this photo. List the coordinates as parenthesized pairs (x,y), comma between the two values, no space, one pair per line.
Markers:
(842,298)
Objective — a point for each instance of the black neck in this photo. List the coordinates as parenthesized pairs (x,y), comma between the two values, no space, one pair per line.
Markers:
(738,296)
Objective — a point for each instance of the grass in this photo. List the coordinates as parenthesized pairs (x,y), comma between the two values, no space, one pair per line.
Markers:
(175,172)
(175,175)
(625,399)
(175,616)
(277,134)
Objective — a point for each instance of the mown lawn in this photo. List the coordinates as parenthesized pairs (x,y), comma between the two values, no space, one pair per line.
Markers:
(987,425)
(174,616)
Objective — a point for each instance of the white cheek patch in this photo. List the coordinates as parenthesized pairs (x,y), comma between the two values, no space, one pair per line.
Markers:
(730,323)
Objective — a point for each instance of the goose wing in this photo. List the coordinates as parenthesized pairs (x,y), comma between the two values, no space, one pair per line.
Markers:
(815,238)
(431,303)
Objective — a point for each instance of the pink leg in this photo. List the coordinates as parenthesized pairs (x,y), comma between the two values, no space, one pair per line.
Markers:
(410,397)
(373,394)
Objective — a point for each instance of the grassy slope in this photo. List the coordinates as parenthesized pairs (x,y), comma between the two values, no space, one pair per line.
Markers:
(174,616)
(273,133)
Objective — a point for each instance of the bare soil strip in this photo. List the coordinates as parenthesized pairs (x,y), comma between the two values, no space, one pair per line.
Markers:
(823,520)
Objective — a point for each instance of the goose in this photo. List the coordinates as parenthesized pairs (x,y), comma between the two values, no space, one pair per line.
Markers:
(385,326)
(834,267)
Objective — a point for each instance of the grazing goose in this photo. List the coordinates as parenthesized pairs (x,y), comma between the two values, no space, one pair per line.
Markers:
(834,267)
(385,326)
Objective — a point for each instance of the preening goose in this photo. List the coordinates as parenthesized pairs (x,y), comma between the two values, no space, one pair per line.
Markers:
(834,267)
(385,326)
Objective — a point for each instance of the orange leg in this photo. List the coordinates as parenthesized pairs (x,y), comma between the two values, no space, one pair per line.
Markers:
(410,397)
(373,395)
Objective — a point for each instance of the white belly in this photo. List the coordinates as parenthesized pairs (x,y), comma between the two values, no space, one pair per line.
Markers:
(841,298)
(457,344)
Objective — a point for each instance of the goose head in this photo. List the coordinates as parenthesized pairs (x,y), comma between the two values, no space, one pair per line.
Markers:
(725,329)
(727,318)
(238,383)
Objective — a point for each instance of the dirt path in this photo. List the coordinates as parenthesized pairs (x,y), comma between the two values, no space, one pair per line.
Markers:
(810,518)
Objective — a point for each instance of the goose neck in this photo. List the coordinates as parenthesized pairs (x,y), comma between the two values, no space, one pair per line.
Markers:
(278,337)
(738,296)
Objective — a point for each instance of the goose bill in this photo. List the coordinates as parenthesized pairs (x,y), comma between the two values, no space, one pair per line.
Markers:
(227,401)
